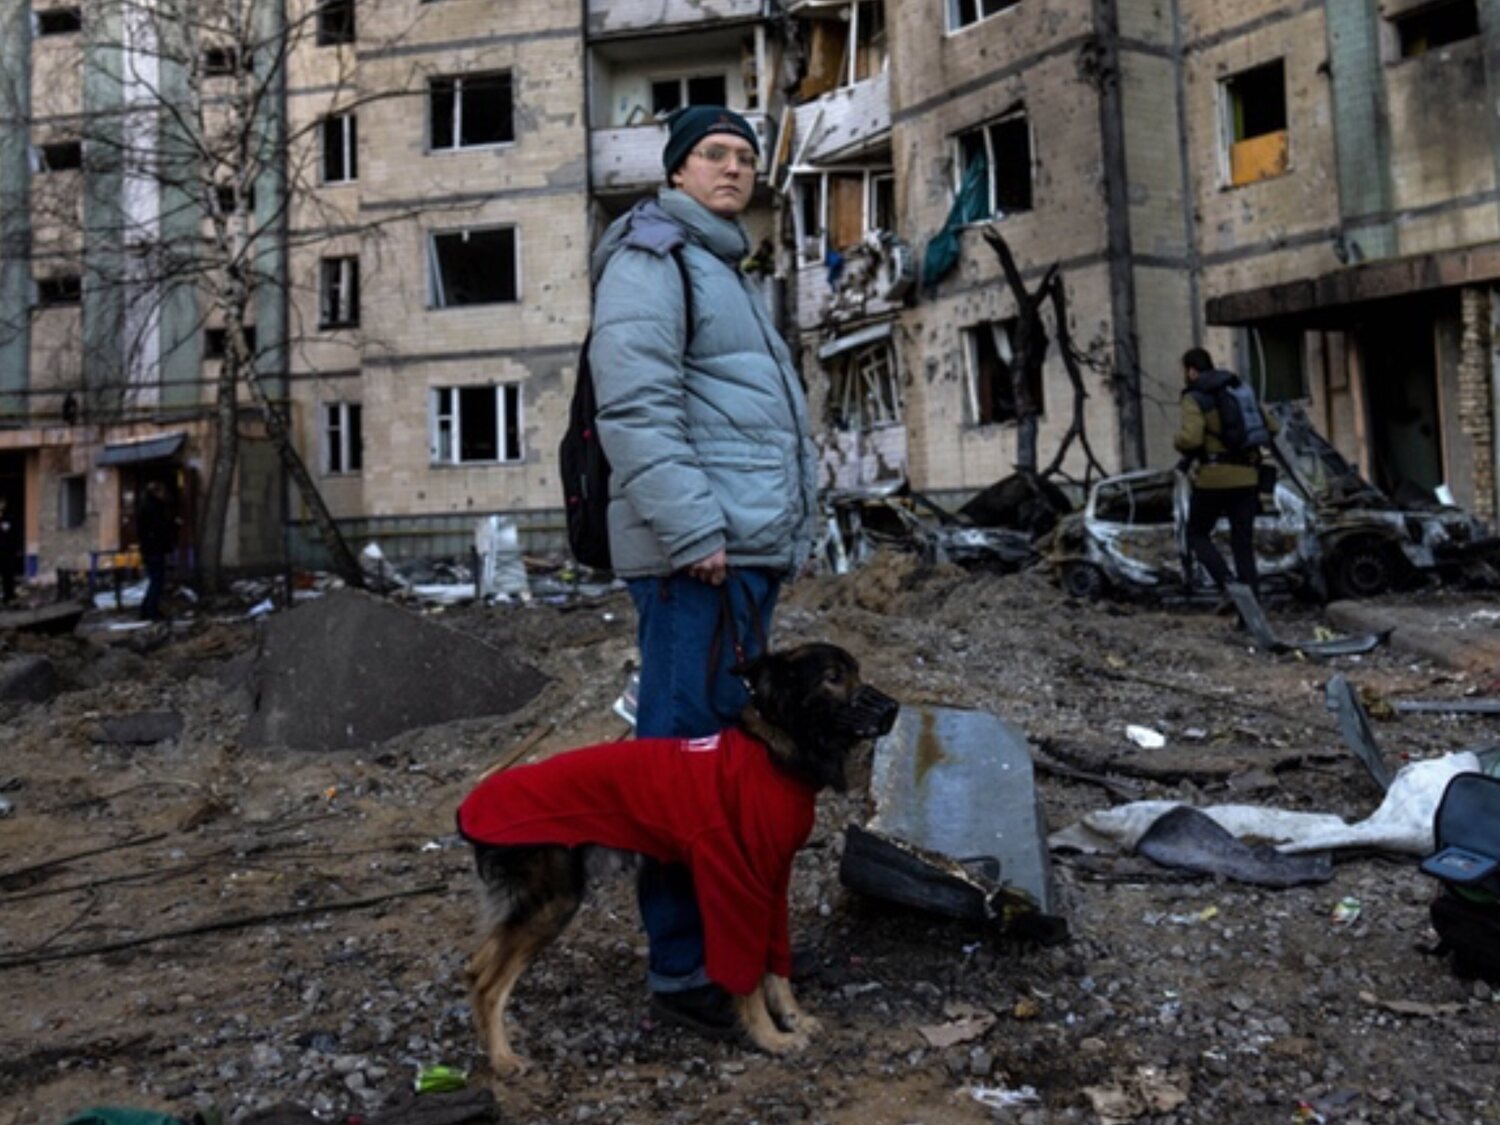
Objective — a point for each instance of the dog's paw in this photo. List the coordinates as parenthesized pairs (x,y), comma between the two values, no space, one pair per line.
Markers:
(508,1064)
(800,1023)
(782,1042)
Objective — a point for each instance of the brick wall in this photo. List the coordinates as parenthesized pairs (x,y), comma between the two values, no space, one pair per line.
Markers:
(1476,394)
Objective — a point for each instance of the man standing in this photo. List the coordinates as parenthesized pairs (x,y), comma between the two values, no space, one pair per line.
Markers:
(156,530)
(1227,480)
(713,490)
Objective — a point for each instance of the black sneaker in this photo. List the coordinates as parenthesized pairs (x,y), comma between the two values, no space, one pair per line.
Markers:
(705,1009)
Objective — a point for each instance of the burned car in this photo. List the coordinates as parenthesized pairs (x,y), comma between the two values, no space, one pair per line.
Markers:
(857,522)
(1324,531)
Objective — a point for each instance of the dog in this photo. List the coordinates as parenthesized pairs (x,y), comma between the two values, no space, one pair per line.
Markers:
(735,808)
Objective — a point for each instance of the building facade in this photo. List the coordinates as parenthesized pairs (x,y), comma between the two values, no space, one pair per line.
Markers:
(1309,189)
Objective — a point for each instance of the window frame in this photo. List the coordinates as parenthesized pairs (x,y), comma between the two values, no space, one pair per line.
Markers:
(326,32)
(1227,129)
(44,165)
(993,213)
(1401,23)
(344,289)
(1008,357)
(62,294)
(348,128)
(342,434)
(458,116)
(505,394)
(40,15)
(953,10)
(682,82)
(819,180)
(846,411)
(434,273)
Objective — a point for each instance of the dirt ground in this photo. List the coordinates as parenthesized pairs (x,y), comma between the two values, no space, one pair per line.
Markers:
(1182,999)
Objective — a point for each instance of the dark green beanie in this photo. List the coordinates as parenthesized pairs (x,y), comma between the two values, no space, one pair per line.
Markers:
(691,125)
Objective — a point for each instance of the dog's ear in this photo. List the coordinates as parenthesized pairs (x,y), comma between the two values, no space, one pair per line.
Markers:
(759,674)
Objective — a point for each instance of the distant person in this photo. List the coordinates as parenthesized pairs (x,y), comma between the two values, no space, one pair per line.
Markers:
(156,530)
(10,552)
(1223,436)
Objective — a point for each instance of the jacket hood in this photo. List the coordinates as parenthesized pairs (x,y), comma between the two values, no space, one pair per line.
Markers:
(665,223)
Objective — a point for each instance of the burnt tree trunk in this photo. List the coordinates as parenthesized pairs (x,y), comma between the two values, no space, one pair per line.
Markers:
(1030,352)
(1076,428)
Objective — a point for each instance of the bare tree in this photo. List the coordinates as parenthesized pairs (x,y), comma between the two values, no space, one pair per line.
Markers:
(191,172)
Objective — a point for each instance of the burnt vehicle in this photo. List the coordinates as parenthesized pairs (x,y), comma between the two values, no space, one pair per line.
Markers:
(1323,531)
(857,522)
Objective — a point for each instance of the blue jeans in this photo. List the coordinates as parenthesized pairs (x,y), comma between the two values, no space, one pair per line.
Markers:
(678,619)
(156,581)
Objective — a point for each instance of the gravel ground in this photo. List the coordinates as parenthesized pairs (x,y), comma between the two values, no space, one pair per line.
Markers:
(1178,999)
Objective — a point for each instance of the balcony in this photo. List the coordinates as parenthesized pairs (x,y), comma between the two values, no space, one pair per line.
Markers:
(609,18)
(844,123)
(628,159)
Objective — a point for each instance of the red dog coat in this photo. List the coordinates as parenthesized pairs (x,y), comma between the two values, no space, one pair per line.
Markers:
(716,804)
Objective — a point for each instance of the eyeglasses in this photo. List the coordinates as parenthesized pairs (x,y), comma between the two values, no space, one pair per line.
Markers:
(720,155)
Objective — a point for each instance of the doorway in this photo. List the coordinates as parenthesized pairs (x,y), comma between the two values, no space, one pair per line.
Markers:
(1399,356)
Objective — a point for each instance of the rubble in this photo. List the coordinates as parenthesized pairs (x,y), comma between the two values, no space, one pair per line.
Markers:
(27,679)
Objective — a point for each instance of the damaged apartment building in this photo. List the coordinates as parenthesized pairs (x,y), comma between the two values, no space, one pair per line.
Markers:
(1309,188)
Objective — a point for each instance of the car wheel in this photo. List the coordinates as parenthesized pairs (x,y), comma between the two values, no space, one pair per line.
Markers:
(1082,580)
(1363,569)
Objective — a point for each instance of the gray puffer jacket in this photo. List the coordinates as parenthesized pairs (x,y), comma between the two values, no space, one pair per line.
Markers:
(709,449)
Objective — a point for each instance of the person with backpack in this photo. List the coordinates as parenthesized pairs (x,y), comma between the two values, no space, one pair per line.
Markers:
(1224,431)
(712,481)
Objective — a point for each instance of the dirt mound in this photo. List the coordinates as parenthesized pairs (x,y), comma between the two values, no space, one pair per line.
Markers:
(348,671)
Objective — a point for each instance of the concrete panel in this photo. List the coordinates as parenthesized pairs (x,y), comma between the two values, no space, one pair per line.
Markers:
(1439,125)
(612,17)
(1165,325)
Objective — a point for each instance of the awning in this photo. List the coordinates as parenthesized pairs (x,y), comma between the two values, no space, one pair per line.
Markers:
(1369,281)
(867,335)
(135,452)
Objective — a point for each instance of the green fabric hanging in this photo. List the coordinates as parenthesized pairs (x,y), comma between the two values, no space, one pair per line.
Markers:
(971,204)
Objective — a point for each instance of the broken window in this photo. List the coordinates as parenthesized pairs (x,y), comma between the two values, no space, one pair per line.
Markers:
(59,21)
(991,356)
(835,210)
(72,498)
(1255,108)
(335,22)
(962,13)
(65,289)
(473,267)
(1137,502)
(1436,25)
(1004,148)
(338,290)
(60,156)
(1276,369)
(340,149)
(343,437)
(471,110)
(216,342)
(864,393)
(867,38)
(476,424)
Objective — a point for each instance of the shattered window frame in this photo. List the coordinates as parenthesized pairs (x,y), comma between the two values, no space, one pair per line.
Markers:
(451,96)
(335,22)
(864,389)
(57,156)
(340,148)
(59,290)
(442,293)
(967,13)
(1278,363)
(1254,147)
(1009,193)
(47,22)
(986,396)
(815,185)
(343,439)
(502,435)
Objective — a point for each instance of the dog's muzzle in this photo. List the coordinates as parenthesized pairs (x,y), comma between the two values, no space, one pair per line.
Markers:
(870,714)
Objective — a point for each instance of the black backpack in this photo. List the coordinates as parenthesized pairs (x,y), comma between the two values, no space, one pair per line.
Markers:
(581,460)
(1242,426)
(1466,912)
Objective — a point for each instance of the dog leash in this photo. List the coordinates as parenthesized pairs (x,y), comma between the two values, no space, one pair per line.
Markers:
(726,628)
